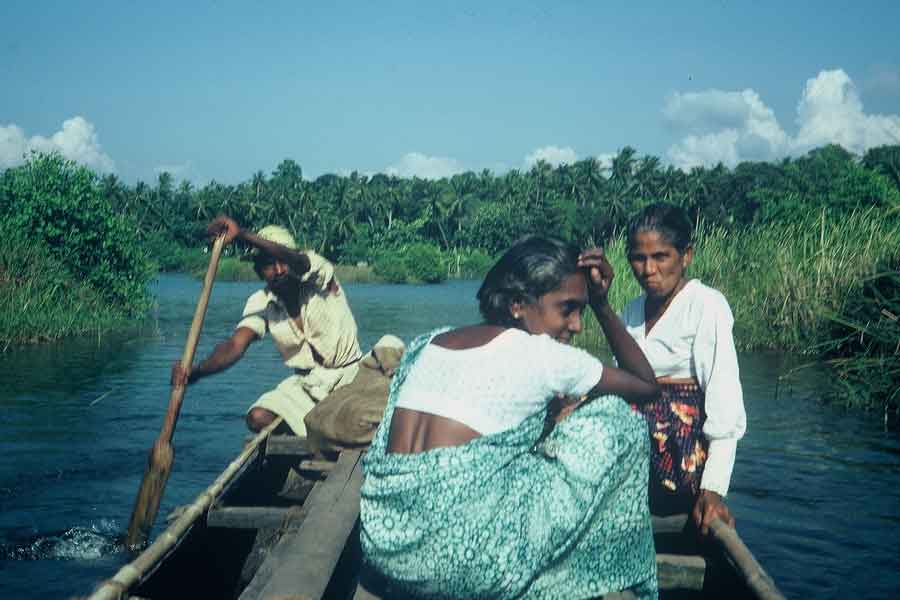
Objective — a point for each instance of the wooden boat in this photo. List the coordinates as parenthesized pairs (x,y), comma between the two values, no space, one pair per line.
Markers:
(280,524)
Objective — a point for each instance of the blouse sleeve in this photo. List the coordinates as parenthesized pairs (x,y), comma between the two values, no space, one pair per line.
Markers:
(567,370)
(254,315)
(716,364)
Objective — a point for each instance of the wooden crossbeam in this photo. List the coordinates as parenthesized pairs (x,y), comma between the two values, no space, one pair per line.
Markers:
(680,571)
(319,466)
(246,517)
(287,445)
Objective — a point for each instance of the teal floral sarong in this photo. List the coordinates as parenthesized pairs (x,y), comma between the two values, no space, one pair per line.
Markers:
(499,517)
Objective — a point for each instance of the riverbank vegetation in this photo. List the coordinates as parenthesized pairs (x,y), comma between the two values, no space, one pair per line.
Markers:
(792,244)
(233,269)
(69,262)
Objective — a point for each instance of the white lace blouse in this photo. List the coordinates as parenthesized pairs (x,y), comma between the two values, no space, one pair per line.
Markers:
(693,338)
(496,386)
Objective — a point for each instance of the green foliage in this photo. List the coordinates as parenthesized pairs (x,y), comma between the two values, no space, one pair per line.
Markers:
(494,227)
(360,248)
(425,263)
(41,300)
(416,263)
(468,263)
(230,269)
(350,219)
(168,254)
(54,202)
(884,160)
(863,344)
(827,178)
(391,266)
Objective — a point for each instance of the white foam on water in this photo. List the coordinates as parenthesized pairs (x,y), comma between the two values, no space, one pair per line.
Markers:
(78,543)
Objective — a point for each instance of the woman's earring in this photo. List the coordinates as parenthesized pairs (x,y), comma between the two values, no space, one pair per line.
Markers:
(516,316)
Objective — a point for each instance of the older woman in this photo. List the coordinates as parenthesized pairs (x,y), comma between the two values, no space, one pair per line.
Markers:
(684,329)
(470,490)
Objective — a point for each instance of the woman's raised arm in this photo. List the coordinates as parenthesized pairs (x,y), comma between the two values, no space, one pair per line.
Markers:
(634,379)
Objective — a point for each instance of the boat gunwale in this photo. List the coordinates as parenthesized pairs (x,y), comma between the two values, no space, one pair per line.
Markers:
(153,556)
(137,572)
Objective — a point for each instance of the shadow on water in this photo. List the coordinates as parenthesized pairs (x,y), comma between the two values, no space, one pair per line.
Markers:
(815,489)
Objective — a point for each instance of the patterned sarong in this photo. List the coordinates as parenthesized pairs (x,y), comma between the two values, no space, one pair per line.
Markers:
(500,518)
(677,445)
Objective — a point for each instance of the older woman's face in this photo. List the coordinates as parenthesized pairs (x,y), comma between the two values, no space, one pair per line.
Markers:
(657,265)
(557,313)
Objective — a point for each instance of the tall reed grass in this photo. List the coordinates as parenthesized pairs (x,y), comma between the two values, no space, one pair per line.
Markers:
(40,300)
(863,347)
(783,281)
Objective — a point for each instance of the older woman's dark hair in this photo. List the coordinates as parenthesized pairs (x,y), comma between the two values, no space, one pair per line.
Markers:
(532,267)
(669,221)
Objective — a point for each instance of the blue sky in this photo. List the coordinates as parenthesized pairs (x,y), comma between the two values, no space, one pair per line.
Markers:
(219,90)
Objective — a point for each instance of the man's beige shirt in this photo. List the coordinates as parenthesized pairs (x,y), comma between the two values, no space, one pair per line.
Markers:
(327,327)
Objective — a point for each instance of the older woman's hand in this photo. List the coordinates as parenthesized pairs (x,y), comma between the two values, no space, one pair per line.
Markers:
(710,506)
(599,274)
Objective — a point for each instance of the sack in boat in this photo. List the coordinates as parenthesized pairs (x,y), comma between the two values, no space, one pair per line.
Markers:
(349,416)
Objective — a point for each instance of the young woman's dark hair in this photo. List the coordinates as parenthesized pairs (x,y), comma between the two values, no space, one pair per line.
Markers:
(669,221)
(532,267)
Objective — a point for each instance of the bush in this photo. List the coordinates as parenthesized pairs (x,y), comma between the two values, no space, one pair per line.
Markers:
(358,248)
(468,264)
(168,254)
(41,300)
(390,265)
(424,263)
(863,343)
(54,202)
(413,264)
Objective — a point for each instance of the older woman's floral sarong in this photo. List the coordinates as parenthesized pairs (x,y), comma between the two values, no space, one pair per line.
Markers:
(677,446)
(499,517)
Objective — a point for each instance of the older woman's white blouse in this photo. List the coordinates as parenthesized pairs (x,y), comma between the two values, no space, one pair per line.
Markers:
(693,338)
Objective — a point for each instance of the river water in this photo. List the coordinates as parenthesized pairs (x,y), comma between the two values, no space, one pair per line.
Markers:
(816,489)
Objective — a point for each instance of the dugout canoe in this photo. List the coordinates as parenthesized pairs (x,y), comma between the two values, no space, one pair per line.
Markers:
(279,523)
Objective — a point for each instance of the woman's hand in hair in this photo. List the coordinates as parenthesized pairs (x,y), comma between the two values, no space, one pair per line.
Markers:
(599,274)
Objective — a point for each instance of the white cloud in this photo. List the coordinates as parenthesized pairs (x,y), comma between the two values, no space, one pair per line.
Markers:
(416,164)
(723,126)
(735,126)
(830,111)
(77,141)
(552,155)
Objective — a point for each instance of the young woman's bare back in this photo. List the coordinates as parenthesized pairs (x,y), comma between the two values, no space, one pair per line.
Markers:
(413,431)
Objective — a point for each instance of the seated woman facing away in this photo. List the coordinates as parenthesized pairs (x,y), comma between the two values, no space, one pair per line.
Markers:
(470,490)
(684,328)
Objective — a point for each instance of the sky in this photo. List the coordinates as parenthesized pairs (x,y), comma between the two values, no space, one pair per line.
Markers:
(218,90)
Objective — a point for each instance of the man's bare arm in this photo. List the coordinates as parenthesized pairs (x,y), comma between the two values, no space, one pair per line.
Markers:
(298,261)
(226,354)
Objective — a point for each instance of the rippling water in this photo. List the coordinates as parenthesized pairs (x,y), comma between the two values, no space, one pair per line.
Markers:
(816,489)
